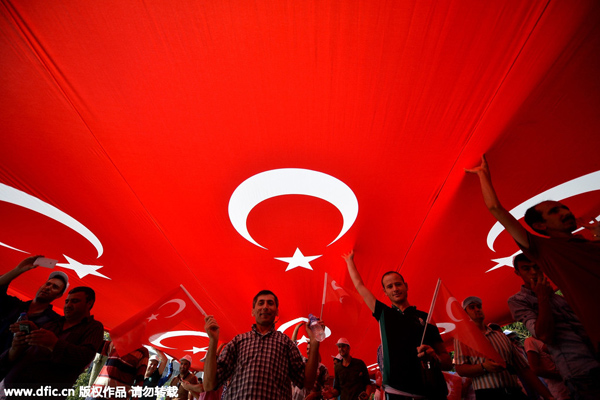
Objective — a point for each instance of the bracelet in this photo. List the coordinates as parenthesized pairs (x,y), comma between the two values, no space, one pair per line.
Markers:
(485,371)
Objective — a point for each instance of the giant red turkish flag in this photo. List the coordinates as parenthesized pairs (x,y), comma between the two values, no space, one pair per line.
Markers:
(237,146)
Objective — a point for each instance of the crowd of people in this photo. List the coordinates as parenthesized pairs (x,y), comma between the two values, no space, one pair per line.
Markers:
(559,361)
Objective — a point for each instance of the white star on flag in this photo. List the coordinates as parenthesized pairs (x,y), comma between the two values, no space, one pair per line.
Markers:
(504,262)
(298,260)
(153,317)
(82,270)
(195,349)
(303,339)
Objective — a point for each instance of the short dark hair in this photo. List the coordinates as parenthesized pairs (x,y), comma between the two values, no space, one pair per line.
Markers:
(264,293)
(519,259)
(533,216)
(90,295)
(389,273)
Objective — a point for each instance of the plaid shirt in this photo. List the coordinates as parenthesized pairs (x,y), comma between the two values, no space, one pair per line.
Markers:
(260,366)
(492,380)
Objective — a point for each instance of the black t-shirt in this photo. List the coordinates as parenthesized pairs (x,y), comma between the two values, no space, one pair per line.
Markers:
(352,380)
(401,334)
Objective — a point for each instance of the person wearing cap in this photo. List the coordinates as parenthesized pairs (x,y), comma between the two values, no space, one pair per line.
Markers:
(39,310)
(402,327)
(184,375)
(351,375)
(120,371)
(56,353)
(490,379)
(549,318)
(156,367)
(262,363)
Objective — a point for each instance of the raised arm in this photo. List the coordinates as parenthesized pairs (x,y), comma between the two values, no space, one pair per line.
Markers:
(295,334)
(210,363)
(312,364)
(22,267)
(365,293)
(510,223)
(162,361)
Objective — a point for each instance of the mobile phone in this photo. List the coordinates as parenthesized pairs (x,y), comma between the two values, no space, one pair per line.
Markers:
(24,328)
(45,262)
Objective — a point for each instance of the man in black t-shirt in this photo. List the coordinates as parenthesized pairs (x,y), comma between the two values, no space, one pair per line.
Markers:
(402,328)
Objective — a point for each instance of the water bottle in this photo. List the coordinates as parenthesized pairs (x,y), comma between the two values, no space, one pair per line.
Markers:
(313,324)
(23,327)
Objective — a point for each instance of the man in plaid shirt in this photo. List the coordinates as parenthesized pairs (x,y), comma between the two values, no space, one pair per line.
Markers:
(262,363)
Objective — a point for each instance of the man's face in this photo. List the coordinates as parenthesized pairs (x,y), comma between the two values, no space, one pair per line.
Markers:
(184,367)
(528,271)
(265,310)
(343,350)
(395,288)
(557,217)
(475,312)
(76,306)
(50,291)
(152,366)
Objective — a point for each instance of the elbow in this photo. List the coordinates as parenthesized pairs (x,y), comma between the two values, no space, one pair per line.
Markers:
(208,385)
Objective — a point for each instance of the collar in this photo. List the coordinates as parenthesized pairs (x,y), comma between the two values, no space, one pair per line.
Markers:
(255,329)
(411,308)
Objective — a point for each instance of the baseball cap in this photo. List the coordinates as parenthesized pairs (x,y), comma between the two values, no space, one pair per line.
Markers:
(187,358)
(343,340)
(62,276)
(337,357)
(471,300)
(153,358)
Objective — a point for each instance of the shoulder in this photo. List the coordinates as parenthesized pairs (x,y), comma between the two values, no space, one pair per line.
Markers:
(359,362)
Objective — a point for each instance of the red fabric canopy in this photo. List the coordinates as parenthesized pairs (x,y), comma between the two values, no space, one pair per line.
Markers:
(128,126)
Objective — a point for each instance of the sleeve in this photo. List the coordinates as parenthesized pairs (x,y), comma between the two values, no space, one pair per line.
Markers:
(459,357)
(226,362)
(297,366)
(142,366)
(523,312)
(336,380)
(532,252)
(82,353)
(432,336)
(520,361)
(365,373)
(378,312)
(531,345)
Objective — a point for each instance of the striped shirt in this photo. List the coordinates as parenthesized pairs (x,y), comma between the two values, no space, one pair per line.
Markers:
(260,366)
(493,380)
(122,371)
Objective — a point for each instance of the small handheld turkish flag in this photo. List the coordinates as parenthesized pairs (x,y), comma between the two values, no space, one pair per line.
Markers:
(454,322)
(174,307)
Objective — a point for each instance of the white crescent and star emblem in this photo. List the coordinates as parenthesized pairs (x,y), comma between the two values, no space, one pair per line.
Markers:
(449,309)
(179,302)
(583,184)
(290,181)
(17,197)
(156,339)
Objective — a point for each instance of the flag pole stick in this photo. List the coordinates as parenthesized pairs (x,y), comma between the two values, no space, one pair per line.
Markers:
(324,293)
(435,293)
(193,300)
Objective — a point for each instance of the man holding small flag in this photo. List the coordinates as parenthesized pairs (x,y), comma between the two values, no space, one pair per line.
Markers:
(491,379)
(405,358)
